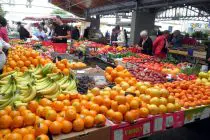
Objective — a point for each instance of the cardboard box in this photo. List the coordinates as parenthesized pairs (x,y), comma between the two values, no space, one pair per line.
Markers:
(126,131)
(102,133)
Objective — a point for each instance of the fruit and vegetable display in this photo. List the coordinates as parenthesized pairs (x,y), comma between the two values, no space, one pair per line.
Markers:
(17,88)
(189,93)
(41,99)
(148,75)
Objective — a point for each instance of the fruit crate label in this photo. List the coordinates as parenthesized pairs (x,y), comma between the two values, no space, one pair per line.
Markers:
(158,124)
(146,128)
(118,134)
(100,80)
(178,119)
(169,121)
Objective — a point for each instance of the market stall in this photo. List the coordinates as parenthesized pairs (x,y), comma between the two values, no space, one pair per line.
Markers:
(130,95)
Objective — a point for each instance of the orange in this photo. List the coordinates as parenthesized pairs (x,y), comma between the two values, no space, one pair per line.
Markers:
(107,102)
(89,121)
(109,69)
(20,63)
(65,71)
(103,109)
(16,57)
(66,126)
(60,66)
(117,117)
(98,100)
(120,99)
(59,119)
(47,122)
(77,106)
(114,74)
(23,69)
(95,107)
(12,64)
(7,123)
(119,68)
(8,109)
(118,80)
(3,112)
(130,117)
(23,131)
(51,115)
(55,128)
(134,104)
(70,114)
(78,125)
(27,63)
(17,122)
(92,113)
(109,114)
(42,137)
(100,120)
(29,119)
(33,105)
(122,109)
(144,112)
(29,137)
(41,128)
(35,62)
(45,102)
(14,136)
(114,105)
(23,58)
(57,105)
(129,98)
(113,94)
(39,111)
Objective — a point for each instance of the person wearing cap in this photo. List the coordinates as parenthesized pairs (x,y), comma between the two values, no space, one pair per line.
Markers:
(145,43)
(3,29)
(62,32)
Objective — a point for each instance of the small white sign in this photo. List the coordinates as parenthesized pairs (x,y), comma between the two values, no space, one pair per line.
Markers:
(118,134)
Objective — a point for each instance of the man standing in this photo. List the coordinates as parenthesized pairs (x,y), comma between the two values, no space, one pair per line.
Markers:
(61,32)
(75,33)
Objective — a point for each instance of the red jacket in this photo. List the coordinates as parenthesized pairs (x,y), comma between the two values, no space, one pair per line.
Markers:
(158,46)
(4,34)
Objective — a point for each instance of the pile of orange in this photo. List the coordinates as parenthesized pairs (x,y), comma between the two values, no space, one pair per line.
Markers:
(64,66)
(119,74)
(189,93)
(68,113)
(21,58)
(116,106)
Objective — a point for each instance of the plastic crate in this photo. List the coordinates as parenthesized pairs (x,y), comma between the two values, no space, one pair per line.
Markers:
(60,47)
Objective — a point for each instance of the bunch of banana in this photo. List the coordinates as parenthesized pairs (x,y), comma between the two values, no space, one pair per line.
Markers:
(8,93)
(28,94)
(47,68)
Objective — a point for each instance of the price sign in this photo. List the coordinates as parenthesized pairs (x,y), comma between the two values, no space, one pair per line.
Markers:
(100,80)
(158,124)
(118,134)
(169,121)
(146,128)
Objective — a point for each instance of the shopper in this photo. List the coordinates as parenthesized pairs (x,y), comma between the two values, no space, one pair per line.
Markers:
(23,33)
(40,34)
(61,31)
(86,33)
(177,39)
(160,45)
(145,43)
(75,33)
(3,29)
(126,38)
(3,45)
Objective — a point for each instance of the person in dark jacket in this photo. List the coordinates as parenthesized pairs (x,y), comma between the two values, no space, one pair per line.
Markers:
(145,43)
(75,33)
(24,34)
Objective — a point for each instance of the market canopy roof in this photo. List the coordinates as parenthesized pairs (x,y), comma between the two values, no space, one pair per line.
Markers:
(84,7)
(64,19)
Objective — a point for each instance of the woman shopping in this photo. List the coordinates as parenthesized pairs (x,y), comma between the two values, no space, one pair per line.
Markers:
(3,45)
